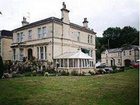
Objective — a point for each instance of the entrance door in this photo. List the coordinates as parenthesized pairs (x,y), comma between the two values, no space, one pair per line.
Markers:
(127,62)
(111,62)
(30,54)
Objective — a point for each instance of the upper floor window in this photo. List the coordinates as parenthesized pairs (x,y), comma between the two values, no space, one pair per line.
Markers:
(78,36)
(21,37)
(129,52)
(90,39)
(30,34)
(44,31)
(124,53)
(18,37)
(39,32)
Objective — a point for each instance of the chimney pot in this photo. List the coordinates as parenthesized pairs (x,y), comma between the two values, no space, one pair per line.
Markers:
(85,23)
(24,22)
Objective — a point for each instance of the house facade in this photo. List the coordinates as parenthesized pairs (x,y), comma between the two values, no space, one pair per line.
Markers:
(5,43)
(48,38)
(120,56)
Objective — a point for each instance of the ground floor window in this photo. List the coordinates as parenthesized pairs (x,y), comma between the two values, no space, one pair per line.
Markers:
(75,63)
(70,63)
(42,52)
(14,54)
(21,54)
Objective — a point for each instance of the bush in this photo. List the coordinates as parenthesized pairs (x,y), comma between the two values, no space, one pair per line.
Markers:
(74,73)
(34,73)
(28,73)
(46,74)
(92,73)
(1,67)
(64,73)
(114,67)
(114,71)
(17,75)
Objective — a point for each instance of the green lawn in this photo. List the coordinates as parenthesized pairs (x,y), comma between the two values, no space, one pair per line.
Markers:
(109,89)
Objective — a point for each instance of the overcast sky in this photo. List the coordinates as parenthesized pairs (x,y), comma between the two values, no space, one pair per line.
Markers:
(101,14)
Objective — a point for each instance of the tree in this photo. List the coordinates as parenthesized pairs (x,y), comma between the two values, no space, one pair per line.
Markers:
(115,38)
(129,35)
(99,47)
(111,37)
(1,67)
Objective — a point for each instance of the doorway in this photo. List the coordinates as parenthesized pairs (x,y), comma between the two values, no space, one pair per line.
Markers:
(30,54)
(127,62)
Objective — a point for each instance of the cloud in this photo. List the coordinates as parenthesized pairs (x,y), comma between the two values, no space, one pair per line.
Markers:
(101,14)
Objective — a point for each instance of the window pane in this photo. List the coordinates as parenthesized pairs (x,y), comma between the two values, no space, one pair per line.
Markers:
(21,54)
(41,52)
(78,36)
(45,52)
(43,31)
(38,52)
(39,32)
(30,34)
(21,37)
(17,37)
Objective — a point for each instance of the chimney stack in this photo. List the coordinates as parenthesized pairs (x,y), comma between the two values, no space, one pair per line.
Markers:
(65,14)
(24,22)
(85,23)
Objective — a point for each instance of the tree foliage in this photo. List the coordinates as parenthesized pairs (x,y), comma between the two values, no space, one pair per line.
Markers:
(115,38)
(1,67)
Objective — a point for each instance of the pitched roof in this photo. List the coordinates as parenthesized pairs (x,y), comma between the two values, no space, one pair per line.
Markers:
(6,33)
(74,55)
(114,50)
(135,47)
(53,19)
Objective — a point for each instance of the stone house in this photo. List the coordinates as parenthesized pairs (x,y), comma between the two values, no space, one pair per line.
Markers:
(52,37)
(120,56)
(5,43)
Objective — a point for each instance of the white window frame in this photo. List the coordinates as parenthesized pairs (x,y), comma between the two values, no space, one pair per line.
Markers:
(44,31)
(21,54)
(18,37)
(39,33)
(78,36)
(41,53)
(29,34)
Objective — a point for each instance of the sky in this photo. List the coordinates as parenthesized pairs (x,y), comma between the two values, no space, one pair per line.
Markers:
(101,14)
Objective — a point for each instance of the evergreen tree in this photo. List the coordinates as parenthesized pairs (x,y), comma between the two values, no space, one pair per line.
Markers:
(1,67)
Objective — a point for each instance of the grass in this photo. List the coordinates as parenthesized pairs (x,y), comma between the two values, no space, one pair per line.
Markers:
(109,89)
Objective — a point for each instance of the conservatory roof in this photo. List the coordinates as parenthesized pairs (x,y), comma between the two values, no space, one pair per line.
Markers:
(74,55)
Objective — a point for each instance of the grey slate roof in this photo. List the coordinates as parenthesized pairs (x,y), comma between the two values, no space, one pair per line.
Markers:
(115,50)
(6,33)
(53,19)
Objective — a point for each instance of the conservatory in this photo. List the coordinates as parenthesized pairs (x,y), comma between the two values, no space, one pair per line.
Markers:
(74,60)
